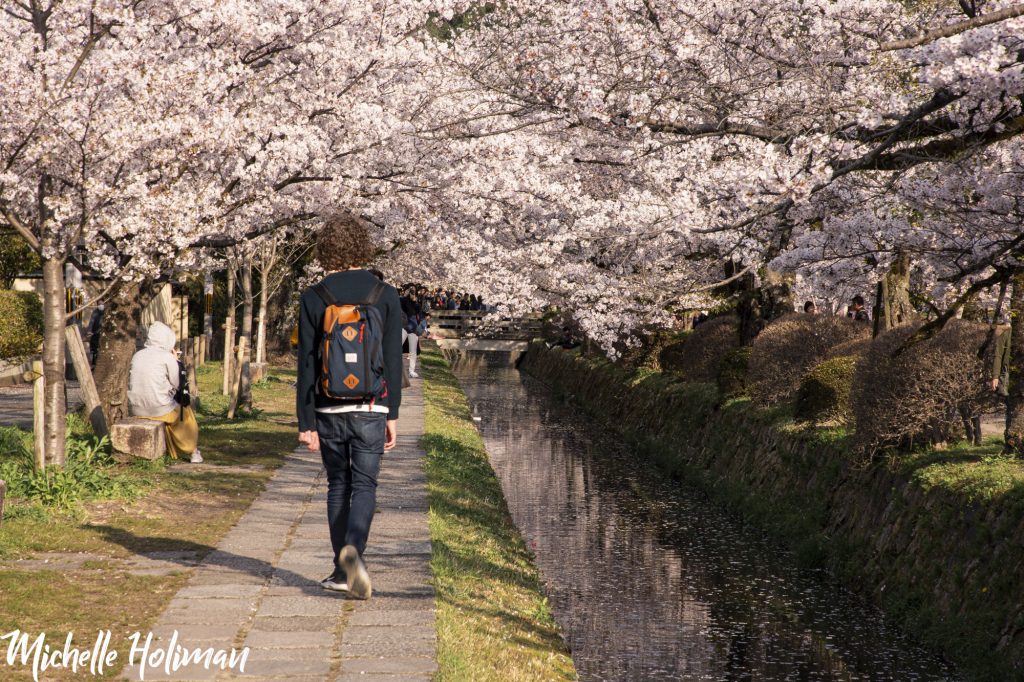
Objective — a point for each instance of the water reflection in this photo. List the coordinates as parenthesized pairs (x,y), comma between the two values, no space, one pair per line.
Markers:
(647,578)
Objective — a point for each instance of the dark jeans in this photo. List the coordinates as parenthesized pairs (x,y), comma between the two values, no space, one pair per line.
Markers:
(351,445)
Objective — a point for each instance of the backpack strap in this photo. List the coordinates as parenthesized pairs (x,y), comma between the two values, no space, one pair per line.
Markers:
(328,298)
(325,294)
(375,293)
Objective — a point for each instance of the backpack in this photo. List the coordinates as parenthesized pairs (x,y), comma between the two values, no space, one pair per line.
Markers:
(352,356)
(183,396)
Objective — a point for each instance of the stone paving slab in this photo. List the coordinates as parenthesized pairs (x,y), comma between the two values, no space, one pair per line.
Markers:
(260,587)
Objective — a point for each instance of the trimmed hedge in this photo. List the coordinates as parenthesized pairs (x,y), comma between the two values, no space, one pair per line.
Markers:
(732,376)
(699,355)
(824,394)
(21,324)
(789,347)
(920,394)
(647,353)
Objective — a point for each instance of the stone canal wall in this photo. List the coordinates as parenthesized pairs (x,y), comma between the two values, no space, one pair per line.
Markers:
(947,565)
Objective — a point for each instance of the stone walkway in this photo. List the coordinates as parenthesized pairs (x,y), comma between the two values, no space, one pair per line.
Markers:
(16,404)
(260,587)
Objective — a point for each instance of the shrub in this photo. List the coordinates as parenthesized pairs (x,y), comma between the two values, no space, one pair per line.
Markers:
(923,390)
(824,394)
(699,355)
(789,347)
(648,353)
(857,347)
(88,474)
(732,375)
(21,324)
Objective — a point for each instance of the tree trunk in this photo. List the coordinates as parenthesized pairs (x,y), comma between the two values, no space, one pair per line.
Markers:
(245,352)
(896,307)
(242,390)
(758,305)
(208,309)
(54,311)
(261,327)
(1014,435)
(118,336)
(229,331)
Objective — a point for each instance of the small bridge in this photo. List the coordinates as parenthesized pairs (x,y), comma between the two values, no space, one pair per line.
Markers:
(476,330)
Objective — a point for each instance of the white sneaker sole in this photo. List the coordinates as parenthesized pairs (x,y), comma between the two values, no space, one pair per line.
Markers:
(359,585)
(332,586)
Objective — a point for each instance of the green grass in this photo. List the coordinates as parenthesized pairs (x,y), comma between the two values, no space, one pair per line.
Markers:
(493,621)
(174,508)
(976,474)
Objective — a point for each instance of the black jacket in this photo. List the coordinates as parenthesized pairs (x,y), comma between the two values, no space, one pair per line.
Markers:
(351,286)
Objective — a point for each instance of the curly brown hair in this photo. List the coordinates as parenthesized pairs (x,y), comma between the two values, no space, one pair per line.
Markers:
(344,242)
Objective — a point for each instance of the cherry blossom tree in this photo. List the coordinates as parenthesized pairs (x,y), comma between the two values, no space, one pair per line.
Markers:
(149,133)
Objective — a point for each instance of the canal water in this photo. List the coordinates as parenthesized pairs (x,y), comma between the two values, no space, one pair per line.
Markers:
(651,581)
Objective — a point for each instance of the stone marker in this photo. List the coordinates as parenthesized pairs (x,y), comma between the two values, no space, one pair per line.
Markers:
(143,438)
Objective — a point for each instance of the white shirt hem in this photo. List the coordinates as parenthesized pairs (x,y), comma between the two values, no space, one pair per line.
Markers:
(364,407)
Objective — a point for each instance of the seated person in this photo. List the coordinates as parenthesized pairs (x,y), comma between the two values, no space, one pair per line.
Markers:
(152,387)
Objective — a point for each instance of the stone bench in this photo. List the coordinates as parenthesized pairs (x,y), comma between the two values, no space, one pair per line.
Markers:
(135,437)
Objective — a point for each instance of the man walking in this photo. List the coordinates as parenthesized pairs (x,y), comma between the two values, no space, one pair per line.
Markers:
(349,388)
(1000,380)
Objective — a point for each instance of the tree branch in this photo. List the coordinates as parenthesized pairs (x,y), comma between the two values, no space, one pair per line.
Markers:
(953,29)
(20,227)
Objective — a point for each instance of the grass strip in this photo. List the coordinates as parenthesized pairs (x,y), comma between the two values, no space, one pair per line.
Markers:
(493,620)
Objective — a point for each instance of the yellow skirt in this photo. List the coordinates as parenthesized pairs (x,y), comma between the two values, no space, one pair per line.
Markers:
(182,431)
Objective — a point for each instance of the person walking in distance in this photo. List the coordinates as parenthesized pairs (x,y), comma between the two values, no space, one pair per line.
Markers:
(412,316)
(349,388)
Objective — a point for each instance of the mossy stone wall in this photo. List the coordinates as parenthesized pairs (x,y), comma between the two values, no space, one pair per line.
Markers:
(948,567)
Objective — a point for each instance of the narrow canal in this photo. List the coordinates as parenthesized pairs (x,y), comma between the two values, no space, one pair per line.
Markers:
(651,581)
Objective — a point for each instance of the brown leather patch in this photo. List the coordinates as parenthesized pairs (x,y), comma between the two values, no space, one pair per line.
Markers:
(351,381)
(349,333)
(340,314)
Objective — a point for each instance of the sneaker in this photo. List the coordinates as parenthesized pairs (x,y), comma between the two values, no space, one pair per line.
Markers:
(196,457)
(359,585)
(336,581)
(414,375)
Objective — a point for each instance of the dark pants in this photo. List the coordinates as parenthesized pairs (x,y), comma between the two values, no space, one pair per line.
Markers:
(972,425)
(351,445)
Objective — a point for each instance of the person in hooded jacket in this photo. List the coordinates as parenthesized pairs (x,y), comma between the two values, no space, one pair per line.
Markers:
(153,382)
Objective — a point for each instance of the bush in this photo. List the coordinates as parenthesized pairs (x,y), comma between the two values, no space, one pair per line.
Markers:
(857,347)
(699,355)
(898,400)
(21,324)
(789,347)
(89,473)
(647,354)
(732,376)
(824,394)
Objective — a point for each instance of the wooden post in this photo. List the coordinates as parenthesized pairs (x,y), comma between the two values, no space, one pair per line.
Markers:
(80,359)
(38,409)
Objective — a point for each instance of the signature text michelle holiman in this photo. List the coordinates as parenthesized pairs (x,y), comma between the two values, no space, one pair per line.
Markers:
(146,653)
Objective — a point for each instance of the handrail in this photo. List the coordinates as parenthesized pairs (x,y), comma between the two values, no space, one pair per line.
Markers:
(475,324)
